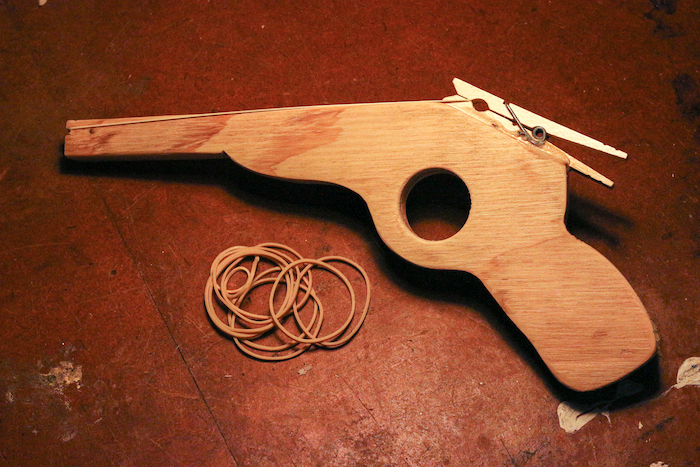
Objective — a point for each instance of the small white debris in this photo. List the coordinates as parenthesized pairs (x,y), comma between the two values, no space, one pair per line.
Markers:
(640,426)
(658,464)
(688,374)
(304,370)
(68,435)
(42,2)
(62,376)
(571,419)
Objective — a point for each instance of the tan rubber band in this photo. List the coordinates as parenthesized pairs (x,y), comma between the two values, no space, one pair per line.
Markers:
(291,270)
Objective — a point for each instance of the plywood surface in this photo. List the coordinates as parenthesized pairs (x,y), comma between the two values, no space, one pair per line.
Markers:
(577,310)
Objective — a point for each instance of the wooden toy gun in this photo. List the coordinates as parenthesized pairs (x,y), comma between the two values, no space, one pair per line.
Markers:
(579,312)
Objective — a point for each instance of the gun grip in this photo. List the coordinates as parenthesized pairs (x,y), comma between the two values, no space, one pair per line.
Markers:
(578,311)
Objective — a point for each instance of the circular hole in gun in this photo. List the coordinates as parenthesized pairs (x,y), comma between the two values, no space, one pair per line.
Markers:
(436,204)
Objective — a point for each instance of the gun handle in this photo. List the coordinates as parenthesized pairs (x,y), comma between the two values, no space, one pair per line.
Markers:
(581,315)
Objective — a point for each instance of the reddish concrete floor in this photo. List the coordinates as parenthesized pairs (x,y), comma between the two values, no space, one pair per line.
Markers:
(106,354)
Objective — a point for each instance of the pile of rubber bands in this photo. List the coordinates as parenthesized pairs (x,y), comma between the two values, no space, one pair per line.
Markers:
(288,271)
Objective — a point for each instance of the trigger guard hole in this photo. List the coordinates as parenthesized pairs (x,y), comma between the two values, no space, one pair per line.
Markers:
(435,204)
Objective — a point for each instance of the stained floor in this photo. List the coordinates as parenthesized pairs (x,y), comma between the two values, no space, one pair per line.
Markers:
(106,354)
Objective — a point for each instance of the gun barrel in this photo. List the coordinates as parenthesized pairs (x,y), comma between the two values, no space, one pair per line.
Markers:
(158,138)
(192,136)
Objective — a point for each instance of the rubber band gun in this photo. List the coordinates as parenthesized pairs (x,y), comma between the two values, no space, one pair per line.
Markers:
(581,315)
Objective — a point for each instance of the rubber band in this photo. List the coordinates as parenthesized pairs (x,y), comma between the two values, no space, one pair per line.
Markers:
(289,278)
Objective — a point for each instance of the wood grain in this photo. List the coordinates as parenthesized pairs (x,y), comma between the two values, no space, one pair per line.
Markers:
(578,311)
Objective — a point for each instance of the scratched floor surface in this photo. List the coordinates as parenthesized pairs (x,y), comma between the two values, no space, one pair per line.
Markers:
(106,354)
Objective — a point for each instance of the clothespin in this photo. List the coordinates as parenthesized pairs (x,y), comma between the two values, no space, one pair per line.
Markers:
(534,128)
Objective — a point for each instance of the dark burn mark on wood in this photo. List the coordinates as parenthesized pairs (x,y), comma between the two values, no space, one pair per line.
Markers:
(659,14)
(658,428)
(665,6)
(687,95)
(688,99)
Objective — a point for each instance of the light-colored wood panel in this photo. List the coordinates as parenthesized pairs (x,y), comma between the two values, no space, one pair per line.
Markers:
(578,311)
